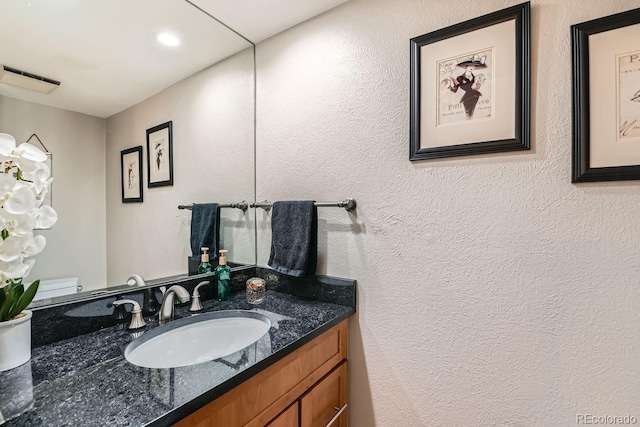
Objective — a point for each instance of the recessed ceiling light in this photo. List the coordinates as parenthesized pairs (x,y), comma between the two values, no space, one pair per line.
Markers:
(167,39)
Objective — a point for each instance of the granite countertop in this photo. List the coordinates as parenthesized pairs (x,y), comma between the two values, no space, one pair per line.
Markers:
(86,380)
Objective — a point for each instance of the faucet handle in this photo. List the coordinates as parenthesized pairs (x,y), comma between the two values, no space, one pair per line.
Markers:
(195,298)
(137,321)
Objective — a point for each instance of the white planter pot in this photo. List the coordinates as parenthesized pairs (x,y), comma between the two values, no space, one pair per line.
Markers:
(15,342)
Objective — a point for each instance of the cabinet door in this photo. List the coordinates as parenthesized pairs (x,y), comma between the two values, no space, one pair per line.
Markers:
(289,418)
(328,397)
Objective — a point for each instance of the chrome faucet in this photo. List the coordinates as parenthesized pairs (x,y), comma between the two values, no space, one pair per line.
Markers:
(166,309)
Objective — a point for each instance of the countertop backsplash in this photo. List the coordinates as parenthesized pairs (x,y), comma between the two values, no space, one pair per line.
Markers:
(60,322)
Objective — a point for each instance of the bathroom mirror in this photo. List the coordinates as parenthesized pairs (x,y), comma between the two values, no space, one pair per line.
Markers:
(116,82)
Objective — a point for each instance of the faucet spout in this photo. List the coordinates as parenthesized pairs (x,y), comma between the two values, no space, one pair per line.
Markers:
(166,309)
(136,280)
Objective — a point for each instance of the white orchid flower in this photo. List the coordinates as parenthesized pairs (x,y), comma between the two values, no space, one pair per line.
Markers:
(45,217)
(10,249)
(20,200)
(26,166)
(7,144)
(42,195)
(24,151)
(7,181)
(17,225)
(24,183)
(15,269)
(39,176)
(32,245)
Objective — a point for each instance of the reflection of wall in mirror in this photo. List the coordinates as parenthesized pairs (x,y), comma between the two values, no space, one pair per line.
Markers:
(213,161)
(76,244)
(212,115)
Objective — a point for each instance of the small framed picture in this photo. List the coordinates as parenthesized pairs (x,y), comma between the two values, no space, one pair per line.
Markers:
(131,164)
(160,155)
(470,91)
(606,98)
(45,198)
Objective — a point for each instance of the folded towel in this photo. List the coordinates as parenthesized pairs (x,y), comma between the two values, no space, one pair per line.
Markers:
(294,237)
(205,225)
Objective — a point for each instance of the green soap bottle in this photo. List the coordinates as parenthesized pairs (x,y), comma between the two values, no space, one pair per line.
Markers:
(204,266)
(223,276)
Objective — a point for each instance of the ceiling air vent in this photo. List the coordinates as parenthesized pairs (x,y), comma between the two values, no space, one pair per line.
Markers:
(23,79)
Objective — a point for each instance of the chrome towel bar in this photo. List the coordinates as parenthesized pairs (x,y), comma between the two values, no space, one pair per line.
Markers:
(242,205)
(348,204)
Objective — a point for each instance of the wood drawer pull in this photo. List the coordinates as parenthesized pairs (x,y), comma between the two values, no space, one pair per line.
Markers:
(335,417)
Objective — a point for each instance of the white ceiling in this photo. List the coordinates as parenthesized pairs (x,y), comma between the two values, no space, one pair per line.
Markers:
(258,20)
(104,52)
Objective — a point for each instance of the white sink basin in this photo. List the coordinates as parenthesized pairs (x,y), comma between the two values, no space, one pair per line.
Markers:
(197,339)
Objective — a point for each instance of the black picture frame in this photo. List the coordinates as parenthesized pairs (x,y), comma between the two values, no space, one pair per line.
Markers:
(160,155)
(584,148)
(131,175)
(506,139)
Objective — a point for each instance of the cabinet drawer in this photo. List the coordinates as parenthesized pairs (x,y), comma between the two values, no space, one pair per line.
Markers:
(325,400)
(289,418)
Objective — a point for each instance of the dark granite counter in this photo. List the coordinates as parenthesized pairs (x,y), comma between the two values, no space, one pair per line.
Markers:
(85,380)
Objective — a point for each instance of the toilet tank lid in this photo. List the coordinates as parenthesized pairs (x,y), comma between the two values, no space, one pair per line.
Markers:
(67,282)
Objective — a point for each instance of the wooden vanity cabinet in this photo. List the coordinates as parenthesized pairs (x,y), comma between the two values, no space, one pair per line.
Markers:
(303,389)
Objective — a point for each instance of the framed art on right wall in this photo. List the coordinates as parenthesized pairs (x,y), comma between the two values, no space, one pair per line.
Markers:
(470,87)
(606,98)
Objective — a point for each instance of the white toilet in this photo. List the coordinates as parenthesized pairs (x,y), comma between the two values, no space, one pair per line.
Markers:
(56,288)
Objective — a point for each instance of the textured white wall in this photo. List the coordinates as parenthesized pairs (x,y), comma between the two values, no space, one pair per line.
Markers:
(76,244)
(492,291)
(212,114)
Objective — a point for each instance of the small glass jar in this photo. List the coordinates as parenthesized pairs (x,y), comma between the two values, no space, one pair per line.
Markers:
(256,290)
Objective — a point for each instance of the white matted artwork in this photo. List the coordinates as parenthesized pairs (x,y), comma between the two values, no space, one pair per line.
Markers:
(131,174)
(466,87)
(470,90)
(160,155)
(628,94)
(606,98)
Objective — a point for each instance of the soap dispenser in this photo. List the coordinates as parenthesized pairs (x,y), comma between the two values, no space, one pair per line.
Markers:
(204,266)
(223,276)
